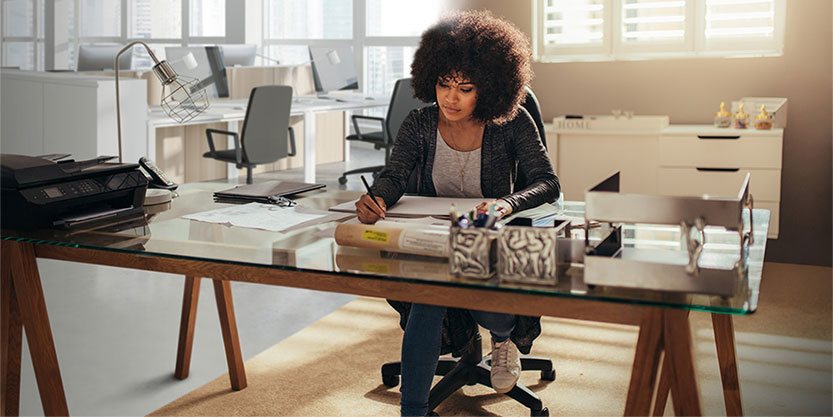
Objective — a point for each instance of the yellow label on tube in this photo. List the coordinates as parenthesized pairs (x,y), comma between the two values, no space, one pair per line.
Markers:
(378,268)
(375,236)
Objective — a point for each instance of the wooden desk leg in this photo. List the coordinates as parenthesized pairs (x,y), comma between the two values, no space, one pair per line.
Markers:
(645,363)
(234,356)
(664,388)
(32,312)
(190,297)
(11,334)
(677,340)
(724,338)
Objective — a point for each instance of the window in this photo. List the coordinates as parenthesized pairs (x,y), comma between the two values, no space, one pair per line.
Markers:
(384,34)
(631,29)
(159,23)
(22,22)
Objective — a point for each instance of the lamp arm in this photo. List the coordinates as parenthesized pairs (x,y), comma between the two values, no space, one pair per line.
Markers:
(118,107)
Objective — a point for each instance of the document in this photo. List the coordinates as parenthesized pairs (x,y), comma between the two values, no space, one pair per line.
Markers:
(418,206)
(265,217)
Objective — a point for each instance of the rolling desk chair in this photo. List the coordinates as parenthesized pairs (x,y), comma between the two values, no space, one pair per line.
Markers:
(261,141)
(472,368)
(402,101)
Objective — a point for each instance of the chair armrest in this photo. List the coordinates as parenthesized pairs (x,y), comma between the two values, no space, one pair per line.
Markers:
(238,151)
(381,121)
(291,141)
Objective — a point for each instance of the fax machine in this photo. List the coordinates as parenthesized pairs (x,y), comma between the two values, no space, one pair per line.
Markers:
(39,192)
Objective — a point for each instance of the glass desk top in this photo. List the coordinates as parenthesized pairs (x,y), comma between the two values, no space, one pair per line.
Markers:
(313,248)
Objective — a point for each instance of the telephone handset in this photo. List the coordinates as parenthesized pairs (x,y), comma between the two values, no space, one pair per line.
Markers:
(156,178)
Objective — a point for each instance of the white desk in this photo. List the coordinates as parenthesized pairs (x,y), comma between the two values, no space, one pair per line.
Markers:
(233,111)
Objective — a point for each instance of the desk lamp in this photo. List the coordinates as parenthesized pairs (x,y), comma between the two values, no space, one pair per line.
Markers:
(185,99)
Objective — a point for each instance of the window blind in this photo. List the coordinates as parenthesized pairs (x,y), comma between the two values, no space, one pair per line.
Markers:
(653,20)
(739,19)
(574,22)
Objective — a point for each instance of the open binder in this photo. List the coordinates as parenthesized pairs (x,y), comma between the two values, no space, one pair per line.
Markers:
(264,192)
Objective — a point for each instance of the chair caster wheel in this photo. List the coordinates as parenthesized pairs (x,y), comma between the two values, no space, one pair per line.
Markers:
(548,375)
(544,412)
(432,413)
(390,381)
(342,180)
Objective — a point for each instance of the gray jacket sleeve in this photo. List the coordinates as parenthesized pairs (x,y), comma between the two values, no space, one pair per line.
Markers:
(524,144)
(392,181)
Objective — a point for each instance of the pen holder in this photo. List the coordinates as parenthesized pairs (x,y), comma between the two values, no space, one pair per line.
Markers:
(471,250)
(530,254)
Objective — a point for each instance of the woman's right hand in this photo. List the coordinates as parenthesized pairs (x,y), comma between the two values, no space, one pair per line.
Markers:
(367,211)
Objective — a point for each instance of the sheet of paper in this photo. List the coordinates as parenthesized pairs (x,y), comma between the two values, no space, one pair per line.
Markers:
(261,216)
(418,222)
(418,206)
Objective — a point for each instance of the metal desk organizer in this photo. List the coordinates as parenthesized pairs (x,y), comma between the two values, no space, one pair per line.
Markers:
(529,254)
(471,251)
(690,269)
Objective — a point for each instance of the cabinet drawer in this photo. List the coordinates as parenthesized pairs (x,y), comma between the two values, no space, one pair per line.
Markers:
(764,184)
(730,151)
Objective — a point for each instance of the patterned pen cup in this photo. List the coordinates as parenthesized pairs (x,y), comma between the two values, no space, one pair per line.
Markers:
(471,252)
(530,254)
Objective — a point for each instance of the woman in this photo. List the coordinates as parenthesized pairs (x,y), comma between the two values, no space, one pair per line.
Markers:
(473,142)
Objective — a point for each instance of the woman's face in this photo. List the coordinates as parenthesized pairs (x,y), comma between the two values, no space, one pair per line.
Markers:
(456,96)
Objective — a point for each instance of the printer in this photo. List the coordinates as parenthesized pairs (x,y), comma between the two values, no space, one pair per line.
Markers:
(39,192)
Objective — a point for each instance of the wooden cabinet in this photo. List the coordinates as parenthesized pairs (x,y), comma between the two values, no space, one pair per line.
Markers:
(679,160)
(705,160)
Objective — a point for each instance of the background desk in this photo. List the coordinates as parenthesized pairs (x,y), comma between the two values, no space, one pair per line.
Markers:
(74,113)
(309,259)
(322,123)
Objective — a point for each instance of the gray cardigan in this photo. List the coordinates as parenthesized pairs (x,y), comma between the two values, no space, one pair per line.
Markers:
(510,150)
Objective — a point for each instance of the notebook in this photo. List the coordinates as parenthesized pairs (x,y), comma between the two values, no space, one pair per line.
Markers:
(263,190)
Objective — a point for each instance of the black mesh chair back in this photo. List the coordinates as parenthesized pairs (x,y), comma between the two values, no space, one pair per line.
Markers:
(534,108)
(402,101)
(267,119)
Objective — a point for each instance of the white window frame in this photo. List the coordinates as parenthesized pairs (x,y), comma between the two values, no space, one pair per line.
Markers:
(693,44)
(235,21)
(34,38)
(569,50)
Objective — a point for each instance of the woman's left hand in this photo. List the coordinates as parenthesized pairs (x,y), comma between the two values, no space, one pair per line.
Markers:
(502,207)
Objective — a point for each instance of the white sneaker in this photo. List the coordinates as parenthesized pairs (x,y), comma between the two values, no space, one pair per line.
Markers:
(506,365)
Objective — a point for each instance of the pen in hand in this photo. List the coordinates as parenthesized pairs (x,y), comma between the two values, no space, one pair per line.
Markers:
(372,196)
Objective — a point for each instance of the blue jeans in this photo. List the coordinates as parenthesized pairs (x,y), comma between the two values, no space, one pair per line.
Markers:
(421,350)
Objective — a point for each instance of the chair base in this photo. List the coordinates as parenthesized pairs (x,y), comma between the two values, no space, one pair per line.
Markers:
(366,170)
(472,369)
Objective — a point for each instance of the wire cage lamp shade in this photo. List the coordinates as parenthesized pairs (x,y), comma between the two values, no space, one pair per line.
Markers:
(183,98)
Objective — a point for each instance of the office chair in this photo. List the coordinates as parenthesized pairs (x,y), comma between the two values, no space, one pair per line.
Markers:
(472,368)
(262,140)
(402,101)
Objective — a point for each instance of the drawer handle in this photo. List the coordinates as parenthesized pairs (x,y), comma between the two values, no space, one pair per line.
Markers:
(719,169)
(717,137)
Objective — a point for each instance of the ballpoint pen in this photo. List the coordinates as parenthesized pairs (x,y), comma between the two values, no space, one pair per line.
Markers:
(370,193)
